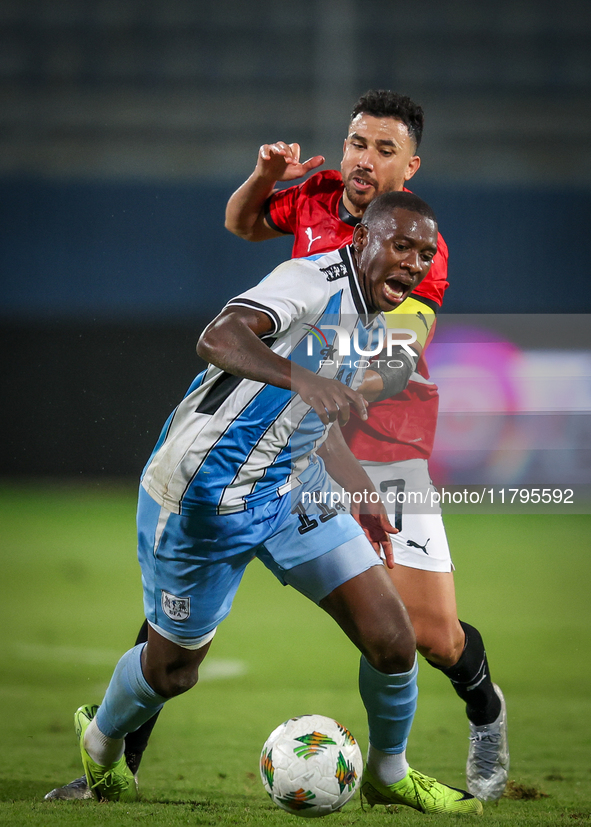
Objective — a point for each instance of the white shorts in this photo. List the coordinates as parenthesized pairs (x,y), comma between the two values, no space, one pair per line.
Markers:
(406,488)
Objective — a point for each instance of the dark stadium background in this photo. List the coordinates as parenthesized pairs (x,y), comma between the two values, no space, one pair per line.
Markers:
(126,125)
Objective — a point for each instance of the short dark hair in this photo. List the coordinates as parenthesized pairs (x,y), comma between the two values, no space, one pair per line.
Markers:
(389,201)
(382,103)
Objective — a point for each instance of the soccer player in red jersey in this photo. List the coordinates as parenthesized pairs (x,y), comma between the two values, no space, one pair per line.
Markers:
(394,444)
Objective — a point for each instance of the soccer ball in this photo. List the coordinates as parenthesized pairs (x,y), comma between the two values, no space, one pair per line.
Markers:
(311,766)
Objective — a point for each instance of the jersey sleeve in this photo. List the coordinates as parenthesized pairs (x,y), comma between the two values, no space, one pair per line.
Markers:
(281,210)
(292,292)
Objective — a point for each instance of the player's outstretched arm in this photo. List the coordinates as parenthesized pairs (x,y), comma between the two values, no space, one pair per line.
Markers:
(370,511)
(232,342)
(245,209)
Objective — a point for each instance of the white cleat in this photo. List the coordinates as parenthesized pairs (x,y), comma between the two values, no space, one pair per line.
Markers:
(487,768)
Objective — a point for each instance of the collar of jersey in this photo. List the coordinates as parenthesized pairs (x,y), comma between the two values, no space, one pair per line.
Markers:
(345,216)
(346,254)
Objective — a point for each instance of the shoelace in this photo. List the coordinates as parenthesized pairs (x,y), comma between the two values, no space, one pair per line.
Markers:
(113,780)
(425,782)
(486,752)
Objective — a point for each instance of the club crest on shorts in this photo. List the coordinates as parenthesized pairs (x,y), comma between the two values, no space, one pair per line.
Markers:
(176,608)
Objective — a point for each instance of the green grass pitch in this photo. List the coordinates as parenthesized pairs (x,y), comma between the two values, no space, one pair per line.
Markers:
(71,604)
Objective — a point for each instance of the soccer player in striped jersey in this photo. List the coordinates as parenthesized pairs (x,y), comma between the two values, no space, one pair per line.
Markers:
(395,442)
(227,482)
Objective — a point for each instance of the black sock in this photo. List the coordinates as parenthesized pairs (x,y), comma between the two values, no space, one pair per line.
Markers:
(136,742)
(470,677)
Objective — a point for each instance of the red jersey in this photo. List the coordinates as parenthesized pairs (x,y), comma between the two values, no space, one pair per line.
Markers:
(400,428)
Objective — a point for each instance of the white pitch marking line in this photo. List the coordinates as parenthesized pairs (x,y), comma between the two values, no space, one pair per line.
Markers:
(211,670)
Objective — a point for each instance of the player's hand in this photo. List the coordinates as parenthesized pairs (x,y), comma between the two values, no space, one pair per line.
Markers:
(373,519)
(331,399)
(281,162)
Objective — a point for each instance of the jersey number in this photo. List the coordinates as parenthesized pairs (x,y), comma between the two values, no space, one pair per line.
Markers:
(307,523)
(397,485)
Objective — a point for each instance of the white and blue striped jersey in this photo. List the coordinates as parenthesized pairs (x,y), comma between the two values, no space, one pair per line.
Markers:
(233,442)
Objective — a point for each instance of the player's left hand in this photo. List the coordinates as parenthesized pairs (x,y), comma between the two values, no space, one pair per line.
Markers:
(373,519)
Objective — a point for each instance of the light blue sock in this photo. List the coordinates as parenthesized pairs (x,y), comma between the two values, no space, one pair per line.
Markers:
(129,700)
(390,701)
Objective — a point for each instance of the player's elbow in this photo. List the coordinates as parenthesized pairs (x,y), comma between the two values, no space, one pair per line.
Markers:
(233,227)
(238,224)
(250,227)
(205,349)
(208,344)
(247,233)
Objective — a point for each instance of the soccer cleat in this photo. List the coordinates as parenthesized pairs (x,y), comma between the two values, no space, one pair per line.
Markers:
(421,793)
(114,783)
(488,757)
(76,790)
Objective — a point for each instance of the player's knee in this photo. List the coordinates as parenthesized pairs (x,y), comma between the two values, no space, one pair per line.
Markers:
(171,669)
(183,680)
(174,673)
(442,646)
(394,653)
(174,681)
